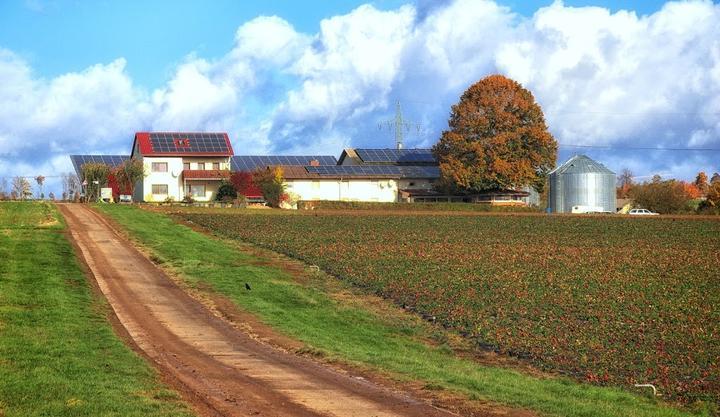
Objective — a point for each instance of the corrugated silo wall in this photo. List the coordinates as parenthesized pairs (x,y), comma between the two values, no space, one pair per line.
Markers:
(582,189)
(589,189)
(555,194)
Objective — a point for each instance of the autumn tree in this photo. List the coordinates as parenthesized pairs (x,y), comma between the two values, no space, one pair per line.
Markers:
(128,173)
(662,196)
(713,194)
(271,183)
(40,181)
(625,182)
(715,178)
(497,139)
(243,183)
(691,190)
(701,182)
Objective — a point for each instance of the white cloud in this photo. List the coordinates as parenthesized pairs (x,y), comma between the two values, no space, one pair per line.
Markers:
(602,78)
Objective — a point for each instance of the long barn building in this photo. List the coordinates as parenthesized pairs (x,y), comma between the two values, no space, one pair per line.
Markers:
(180,164)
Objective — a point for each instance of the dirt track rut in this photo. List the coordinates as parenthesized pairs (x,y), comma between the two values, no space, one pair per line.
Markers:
(226,372)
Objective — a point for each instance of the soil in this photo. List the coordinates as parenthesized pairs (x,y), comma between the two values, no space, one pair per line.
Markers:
(219,369)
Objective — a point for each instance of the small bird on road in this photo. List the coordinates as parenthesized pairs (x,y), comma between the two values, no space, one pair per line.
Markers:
(247,286)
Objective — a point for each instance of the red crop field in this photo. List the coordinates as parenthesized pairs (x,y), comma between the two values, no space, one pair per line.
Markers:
(611,300)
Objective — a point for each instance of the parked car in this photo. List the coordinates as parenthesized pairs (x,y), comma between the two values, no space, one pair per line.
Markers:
(642,212)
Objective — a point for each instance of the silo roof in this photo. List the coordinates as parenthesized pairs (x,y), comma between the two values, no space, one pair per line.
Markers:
(581,164)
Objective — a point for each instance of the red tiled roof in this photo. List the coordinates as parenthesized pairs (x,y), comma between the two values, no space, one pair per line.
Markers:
(182,144)
(209,174)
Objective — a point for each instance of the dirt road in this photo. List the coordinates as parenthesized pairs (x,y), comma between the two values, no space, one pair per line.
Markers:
(225,372)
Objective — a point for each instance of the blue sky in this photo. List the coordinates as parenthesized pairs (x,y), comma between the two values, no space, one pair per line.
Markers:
(296,77)
(154,36)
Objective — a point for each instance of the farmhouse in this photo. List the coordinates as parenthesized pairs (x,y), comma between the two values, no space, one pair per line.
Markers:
(180,164)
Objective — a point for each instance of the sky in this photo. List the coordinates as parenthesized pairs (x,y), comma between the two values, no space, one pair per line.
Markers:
(290,77)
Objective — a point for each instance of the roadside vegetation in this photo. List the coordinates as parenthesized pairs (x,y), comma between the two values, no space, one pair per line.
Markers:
(359,205)
(339,329)
(58,354)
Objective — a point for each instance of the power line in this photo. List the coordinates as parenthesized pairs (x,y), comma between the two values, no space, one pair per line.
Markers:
(639,148)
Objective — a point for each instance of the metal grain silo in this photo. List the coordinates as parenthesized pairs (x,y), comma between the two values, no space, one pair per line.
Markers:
(581,182)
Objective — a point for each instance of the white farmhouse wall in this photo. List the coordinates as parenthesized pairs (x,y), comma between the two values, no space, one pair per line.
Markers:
(172,178)
(211,189)
(344,190)
(415,184)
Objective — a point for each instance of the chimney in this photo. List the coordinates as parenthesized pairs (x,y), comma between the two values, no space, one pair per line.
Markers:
(314,163)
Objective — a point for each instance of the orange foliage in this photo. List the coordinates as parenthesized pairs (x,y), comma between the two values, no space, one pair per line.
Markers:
(701,182)
(713,193)
(497,139)
(691,190)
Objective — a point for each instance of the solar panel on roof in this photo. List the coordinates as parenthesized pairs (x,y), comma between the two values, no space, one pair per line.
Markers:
(110,160)
(189,143)
(253,162)
(396,156)
(393,171)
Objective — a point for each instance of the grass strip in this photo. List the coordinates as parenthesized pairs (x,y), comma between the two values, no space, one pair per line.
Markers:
(58,354)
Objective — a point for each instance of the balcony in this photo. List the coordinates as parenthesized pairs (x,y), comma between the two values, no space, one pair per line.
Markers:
(207,174)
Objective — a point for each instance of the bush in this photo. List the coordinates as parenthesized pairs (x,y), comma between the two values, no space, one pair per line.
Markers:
(271,183)
(665,197)
(363,205)
(226,192)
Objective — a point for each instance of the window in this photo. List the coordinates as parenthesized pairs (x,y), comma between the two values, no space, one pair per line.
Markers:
(196,190)
(186,165)
(160,189)
(216,165)
(159,167)
(201,166)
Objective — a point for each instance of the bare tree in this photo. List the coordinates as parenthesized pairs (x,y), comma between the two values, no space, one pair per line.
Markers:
(21,188)
(71,185)
(3,188)
(625,182)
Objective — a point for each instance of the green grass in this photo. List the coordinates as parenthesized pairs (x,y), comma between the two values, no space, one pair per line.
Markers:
(348,332)
(58,354)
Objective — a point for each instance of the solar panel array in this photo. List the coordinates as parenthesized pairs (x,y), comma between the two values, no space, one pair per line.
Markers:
(391,171)
(189,143)
(253,162)
(397,156)
(109,160)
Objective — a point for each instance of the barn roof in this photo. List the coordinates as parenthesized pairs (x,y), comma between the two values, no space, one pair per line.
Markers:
(366,156)
(110,160)
(376,171)
(253,162)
